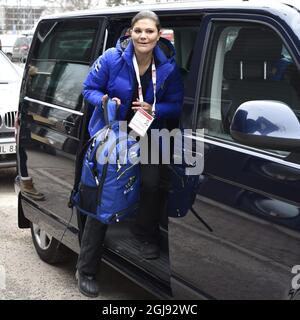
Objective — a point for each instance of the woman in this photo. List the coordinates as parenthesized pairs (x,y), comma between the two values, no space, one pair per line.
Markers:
(140,73)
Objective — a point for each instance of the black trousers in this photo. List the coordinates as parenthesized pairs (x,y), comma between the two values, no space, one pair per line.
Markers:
(91,247)
(146,225)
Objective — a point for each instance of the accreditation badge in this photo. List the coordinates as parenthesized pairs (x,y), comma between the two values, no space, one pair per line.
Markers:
(141,122)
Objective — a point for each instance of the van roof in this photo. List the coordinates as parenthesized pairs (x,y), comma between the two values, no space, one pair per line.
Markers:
(275,6)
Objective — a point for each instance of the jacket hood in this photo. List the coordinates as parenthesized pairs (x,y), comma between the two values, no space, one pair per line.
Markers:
(164,50)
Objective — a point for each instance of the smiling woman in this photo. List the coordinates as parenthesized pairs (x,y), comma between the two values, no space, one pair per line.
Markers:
(140,95)
(144,36)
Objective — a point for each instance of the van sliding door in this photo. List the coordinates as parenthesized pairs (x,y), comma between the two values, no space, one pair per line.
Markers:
(52,105)
(249,194)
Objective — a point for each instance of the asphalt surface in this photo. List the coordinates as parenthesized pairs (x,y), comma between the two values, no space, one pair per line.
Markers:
(24,276)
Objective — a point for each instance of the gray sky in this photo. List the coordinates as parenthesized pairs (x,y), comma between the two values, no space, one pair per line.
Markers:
(39,2)
(26,2)
(22,2)
(42,2)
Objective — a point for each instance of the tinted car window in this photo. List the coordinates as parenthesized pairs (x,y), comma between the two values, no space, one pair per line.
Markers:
(246,62)
(60,62)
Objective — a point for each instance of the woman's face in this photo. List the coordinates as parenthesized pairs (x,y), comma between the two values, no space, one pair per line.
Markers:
(144,35)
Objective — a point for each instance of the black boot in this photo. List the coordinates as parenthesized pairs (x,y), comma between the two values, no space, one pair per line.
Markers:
(148,245)
(149,250)
(89,257)
(87,285)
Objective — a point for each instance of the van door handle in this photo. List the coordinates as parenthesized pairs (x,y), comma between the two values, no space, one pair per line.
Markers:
(68,123)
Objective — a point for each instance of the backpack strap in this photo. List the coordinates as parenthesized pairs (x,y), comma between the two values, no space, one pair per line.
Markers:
(105,112)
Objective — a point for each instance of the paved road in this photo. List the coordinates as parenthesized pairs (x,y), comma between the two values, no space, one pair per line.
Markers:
(27,277)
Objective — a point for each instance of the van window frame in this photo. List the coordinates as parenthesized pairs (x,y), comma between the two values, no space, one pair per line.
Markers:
(208,22)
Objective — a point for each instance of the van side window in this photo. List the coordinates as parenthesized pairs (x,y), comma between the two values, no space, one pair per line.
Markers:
(183,39)
(245,62)
(60,61)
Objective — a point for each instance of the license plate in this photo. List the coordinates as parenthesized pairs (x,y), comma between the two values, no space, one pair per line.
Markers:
(7,148)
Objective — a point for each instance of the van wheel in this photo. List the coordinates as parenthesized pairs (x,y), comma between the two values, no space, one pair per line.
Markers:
(48,248)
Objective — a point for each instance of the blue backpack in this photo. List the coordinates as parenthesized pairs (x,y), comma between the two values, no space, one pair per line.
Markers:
(109,188)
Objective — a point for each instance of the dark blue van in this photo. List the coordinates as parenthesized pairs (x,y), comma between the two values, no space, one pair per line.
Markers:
(240,63)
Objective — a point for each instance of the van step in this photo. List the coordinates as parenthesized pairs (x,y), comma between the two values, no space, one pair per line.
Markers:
(121,241)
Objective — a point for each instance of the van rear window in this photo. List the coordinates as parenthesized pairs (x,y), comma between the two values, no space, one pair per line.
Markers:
(68,40)
(60,61)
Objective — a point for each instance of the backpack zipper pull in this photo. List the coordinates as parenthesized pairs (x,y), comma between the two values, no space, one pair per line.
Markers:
(119,165)
(97,181)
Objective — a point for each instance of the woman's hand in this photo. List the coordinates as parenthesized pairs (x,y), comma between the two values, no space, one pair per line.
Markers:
(118,101)
(144,105)
(105,98)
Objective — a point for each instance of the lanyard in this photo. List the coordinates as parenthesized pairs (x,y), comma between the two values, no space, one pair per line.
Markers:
(140,90)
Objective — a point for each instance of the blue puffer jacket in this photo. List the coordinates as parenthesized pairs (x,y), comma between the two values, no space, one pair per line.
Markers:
(113,74)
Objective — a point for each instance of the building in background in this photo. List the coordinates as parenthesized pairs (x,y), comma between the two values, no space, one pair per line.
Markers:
(17,19)
(17,16)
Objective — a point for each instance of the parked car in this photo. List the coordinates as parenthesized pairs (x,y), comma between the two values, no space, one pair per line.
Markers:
(10,81)
(21,48)
(8,41)
(240,65)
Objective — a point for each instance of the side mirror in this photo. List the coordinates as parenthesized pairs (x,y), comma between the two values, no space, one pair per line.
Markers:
(266,124)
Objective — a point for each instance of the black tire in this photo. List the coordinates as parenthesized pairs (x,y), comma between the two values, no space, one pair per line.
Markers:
(49,249)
